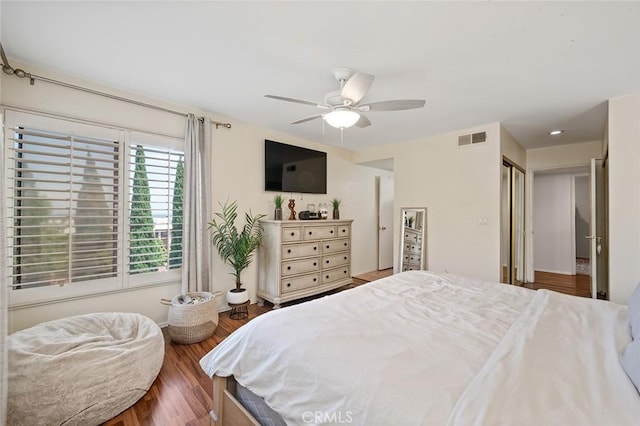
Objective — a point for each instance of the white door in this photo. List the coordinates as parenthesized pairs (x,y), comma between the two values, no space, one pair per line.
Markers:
(385,222)
(598,258)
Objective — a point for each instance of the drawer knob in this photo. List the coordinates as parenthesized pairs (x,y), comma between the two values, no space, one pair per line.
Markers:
(289,251)
(288,268)
(327,261)
(327,246)
(315,247)
(315,279)
(345,244)
(288,284)
(315,263)
(345,258)
(310,233)
(292,234)
(327,277)
(331,232)
(344,230)
(345,272)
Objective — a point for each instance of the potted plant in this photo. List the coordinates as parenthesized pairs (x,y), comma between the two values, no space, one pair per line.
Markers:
(335,203)
(278,200)
(235,246)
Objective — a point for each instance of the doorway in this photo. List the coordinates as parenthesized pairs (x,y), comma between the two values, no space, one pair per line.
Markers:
(568,239)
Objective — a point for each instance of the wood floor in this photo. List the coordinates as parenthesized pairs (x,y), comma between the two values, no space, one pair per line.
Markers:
(575,285)
(181,394)
(375,275)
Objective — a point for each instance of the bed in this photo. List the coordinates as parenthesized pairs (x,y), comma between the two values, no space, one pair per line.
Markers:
(420,348)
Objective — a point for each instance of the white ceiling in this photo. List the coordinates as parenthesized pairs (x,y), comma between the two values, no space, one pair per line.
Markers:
(533,66)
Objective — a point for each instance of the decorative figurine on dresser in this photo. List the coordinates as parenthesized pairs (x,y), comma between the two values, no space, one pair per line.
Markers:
(302,258)
(292,207)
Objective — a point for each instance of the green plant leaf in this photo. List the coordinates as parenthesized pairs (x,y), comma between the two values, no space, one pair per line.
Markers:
(236,247)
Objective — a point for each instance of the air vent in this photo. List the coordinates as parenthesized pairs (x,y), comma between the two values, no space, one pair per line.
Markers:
(472,138)
(464,140)
(479,137)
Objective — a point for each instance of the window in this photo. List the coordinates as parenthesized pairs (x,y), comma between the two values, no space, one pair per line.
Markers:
(90,208)
(155,212)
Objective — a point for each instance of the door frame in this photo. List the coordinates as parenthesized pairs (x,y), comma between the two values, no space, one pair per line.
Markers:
(528,208)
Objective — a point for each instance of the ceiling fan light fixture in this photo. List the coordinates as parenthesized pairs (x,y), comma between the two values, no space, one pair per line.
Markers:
(341,118)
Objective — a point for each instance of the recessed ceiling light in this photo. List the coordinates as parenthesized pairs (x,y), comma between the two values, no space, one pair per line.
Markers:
(556,132)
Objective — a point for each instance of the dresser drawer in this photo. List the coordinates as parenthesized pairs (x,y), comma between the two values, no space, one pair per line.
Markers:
(412,237)
(288,285)
(344,231)
(333,246)
(290,251)
(415,248)
(291,234)
(408,267)
(294,267)
(335,260)
(335,274)
(319,232)
(412,258)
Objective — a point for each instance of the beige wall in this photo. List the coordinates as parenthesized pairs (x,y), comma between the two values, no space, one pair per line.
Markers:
(237,173)
(571,155)
(459,186)
(510,148)
(624,196)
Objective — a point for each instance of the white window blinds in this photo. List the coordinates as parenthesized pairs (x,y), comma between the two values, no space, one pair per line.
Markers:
(155,190)
(64,193)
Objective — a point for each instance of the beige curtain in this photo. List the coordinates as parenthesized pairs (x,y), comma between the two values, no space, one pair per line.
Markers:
(4,299)
(197,206)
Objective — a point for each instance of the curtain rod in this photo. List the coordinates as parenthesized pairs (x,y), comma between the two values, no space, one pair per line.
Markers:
(9,70)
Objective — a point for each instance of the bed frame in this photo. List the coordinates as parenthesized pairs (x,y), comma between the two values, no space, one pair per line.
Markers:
(227,408)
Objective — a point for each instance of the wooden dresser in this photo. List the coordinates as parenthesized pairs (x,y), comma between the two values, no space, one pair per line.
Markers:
(302,258)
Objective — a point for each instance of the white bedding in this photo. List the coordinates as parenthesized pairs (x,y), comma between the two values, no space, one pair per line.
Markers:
(420,348)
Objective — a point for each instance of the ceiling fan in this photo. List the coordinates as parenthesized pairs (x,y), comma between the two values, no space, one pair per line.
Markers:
(343,108)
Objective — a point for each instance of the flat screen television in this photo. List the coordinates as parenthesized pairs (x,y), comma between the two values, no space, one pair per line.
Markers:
(289,168)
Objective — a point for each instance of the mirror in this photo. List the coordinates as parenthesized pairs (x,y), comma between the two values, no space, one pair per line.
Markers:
(413,239)
(512,238)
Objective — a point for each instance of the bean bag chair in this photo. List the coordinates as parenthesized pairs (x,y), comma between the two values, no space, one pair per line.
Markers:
(81,370)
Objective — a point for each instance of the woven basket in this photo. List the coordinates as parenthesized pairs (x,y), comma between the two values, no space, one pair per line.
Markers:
(192,323)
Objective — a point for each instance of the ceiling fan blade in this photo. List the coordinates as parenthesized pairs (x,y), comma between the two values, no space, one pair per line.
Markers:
(357,86)
(297,101)
(309,118)
(395,105)
(363,121)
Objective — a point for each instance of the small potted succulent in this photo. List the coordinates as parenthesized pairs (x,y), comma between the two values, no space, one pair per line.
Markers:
(278,200)
(335,203)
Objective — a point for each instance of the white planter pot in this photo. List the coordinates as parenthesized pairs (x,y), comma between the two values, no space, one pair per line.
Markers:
(237,297)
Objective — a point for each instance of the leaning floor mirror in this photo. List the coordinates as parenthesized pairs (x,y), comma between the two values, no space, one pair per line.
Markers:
(413,239)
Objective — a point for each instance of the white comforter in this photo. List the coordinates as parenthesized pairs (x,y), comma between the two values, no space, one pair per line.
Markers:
(420,348)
